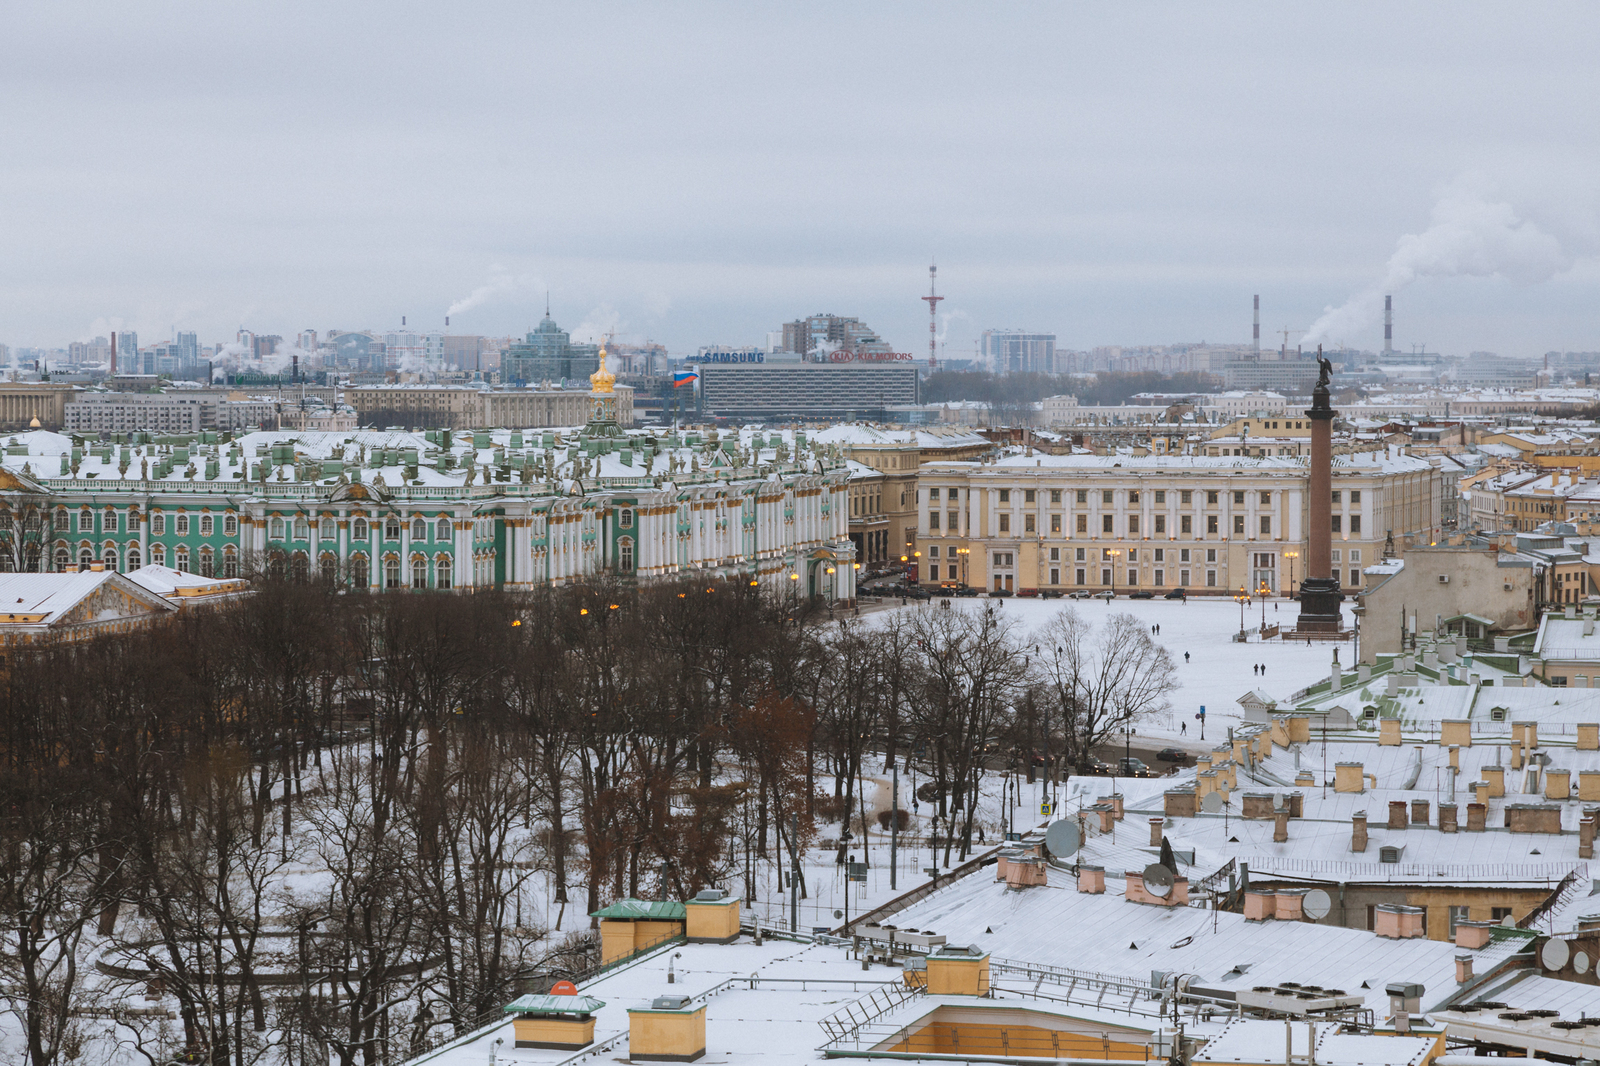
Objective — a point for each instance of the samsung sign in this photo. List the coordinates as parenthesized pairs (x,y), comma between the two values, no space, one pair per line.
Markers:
(729,355)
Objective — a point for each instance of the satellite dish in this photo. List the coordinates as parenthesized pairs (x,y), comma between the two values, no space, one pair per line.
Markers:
(1317,904)
(1212,803)
(1554,954)
(1580,962)
(838,914)
(1158,880)
(1063,838)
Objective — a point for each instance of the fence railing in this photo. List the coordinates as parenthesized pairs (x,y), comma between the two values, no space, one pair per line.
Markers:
(1363,871)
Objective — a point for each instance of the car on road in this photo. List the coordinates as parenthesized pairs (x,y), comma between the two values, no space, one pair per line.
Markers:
(966,590)
(1176,594)
(1107,595)
(1142,594)
(1132,767)
(1177,755)
(1002,593)
(1079,594)
(1050,594)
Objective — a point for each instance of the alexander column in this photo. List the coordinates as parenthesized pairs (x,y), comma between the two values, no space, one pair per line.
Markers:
(1319,592)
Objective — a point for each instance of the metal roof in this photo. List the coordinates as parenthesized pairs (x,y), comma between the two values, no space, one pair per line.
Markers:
(644,910)
(536,1004)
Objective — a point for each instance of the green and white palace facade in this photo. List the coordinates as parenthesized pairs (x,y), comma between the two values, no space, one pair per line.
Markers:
(388,510)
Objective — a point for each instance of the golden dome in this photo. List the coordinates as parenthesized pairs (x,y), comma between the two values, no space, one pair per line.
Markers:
(602,379)
(35,423)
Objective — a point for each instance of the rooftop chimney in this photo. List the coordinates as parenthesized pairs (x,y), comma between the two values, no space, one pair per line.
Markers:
(1358,831)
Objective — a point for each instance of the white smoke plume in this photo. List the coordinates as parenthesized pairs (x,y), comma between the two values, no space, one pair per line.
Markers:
(598,324)
(947,317)
(500,282)
(1471,235)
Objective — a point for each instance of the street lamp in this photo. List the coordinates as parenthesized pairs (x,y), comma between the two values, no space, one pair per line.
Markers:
(1113,553)
(1241,598)
(963,552)
(1263,592)
(1291,556)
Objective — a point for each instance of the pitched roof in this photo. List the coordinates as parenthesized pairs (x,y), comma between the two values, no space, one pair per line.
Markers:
(644,910)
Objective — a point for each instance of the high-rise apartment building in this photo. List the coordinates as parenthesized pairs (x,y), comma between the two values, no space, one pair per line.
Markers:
(1012,351)
(829,333)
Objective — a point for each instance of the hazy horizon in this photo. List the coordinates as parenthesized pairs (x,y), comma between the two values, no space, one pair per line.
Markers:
(701,173)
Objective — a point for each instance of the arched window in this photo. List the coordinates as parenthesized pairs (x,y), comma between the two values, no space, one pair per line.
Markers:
(419,529)
(302,529)
(328,567)
(31,554)
(180,558)
(207,525)
(158,524)
(208,563)
(442,572)
(134,561)
(109,556)
(110,524)
(31,523)
(230,562)
(625,553)
(85,558)
(329,530)
(299,568)
(275,529)
(181,525)
(61,519)
(625,518)
(86,521)
(230,525)
(358,529)
(391,529)
(63,560)
(359,576)
(391,573)
(444,532)
(419,572)
(7,565)
(158,554)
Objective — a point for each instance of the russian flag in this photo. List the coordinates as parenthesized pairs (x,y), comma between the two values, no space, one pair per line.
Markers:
(684,377)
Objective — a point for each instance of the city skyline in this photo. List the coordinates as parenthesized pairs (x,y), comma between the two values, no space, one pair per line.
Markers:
(1115,178)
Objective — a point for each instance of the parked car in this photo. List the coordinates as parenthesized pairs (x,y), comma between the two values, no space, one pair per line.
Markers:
(1002,593)
(1079,594)
(1027,593)
(1050,594)
(966,590)
(1142,594)
(1176,594)
(1177,755)
(1107,595)
(946,590)
(1097,768)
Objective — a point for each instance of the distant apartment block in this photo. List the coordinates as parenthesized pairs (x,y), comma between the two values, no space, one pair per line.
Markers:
(806,390)
(1008,351)
(127,412)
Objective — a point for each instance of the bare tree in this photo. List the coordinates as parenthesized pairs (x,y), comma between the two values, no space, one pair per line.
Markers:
(1102,679)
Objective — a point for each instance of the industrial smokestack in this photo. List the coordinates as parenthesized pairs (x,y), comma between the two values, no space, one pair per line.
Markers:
(1255,333)
(446,321)
(294,373)
(113,354)
(1388,324)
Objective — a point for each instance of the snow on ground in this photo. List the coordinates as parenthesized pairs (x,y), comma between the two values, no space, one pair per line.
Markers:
(1218,671)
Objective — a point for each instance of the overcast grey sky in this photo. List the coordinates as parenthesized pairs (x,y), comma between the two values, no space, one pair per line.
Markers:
(699,173)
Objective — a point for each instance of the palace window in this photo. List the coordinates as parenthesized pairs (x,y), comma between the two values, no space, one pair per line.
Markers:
(230,562)
(180,557)
(328,567)
(391,531)
(180,524)
(1005,523)
(158,524)
(208,563)
(208,526)
(329,530)
(86,521)
(444,530)
(442,570)
(391,573)
(625,553)
(275,529)
(302,529)
(419,529)
(360,577)
(419,573)
(359,529)
(230,525)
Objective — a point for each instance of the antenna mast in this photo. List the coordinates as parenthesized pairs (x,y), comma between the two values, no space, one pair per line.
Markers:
(933,299)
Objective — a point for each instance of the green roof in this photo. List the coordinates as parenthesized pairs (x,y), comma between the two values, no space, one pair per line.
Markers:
(536,1004)
(644,910)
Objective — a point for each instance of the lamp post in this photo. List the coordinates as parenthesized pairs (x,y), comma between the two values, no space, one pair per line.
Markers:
(1241,598)
(963,552)
(1114,554)
(1263,592)
(1291,556)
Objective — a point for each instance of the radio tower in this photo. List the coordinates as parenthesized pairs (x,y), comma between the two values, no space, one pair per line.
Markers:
(933,299)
